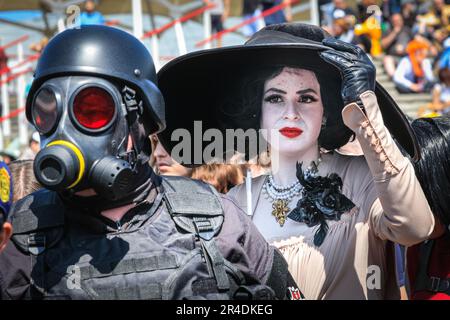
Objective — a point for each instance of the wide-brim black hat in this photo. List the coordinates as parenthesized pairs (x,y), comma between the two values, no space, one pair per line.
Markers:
(197,85)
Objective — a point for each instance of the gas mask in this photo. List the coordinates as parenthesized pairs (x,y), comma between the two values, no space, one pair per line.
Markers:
(85,127)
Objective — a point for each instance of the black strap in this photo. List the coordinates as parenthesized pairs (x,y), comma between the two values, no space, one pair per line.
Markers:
(254,292)
(134,111)
(196,208)
(425,282)
(36,247)
(214,259)
(280,279)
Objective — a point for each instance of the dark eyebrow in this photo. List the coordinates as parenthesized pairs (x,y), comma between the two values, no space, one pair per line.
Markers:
(306,91)
(276,90)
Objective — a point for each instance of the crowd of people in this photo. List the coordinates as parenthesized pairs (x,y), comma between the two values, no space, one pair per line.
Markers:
(410,36)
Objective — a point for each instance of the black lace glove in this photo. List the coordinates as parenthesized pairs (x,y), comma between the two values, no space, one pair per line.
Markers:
(358,72)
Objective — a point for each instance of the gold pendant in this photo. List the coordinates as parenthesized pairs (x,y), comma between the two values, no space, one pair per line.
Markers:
(280,210)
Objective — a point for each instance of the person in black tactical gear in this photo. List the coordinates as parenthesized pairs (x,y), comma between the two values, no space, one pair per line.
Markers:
(106,226)
(6,191)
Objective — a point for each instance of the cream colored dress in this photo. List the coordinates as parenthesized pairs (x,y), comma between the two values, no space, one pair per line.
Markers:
(356,259)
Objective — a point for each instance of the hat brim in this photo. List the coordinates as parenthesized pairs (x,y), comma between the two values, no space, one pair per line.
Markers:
(190,84)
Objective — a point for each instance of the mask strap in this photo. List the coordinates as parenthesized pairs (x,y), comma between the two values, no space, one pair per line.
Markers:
(134,110)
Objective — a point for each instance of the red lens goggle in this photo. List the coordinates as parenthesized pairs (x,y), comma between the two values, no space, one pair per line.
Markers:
(93,108)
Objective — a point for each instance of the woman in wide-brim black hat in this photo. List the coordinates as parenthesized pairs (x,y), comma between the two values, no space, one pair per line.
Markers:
(332,216)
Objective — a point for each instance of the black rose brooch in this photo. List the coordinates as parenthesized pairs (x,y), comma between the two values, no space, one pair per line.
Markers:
(321,200)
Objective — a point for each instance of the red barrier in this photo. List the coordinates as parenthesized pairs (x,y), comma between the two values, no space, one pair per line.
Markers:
(27,60)
(112,23)
(15,75)
(265,13)
(184,18)
(13,114)
(13,43)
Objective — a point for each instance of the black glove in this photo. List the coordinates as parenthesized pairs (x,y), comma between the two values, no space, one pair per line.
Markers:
(358,72)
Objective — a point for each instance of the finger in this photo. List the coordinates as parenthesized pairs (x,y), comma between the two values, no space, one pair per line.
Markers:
(341,45)
(337,59)
(330,58)
(350,56)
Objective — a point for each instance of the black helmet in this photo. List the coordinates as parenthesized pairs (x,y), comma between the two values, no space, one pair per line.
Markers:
(105,52)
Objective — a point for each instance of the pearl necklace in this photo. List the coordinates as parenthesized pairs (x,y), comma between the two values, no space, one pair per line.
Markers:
(281,196)
(276,192)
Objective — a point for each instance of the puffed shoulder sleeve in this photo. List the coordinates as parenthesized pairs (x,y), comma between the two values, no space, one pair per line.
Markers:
(242,244)
(401,212)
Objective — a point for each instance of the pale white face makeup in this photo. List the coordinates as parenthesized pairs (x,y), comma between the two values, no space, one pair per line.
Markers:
(292,112)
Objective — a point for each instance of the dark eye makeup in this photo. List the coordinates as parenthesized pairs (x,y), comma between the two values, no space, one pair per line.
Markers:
(273,98)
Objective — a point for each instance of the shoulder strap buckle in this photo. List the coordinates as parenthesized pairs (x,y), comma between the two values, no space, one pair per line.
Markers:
(203,227)
(36,243)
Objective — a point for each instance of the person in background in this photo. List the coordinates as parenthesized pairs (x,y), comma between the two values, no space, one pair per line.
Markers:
(390,7)
(428,263)
(163,163)
(444,59)
(441,97)
(11,152)
(342,29)
(436,10)
(341,9)
(221,176)
(409,12)
(394,43)
(25,182)
(336,10)
(3,69)
(3,60)
(39,46)
(364,12)
(400,259)
(280,16)
(363,9)
(7,157)
(90,16)
(5,204)
(414,72)
(219,14)
(33,147)
(441,92)
(433,20)
(248,11)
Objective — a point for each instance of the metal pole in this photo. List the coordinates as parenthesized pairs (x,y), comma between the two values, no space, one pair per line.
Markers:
(138,29)
(155,38)
(207,28)
(5,103)
(248,189)
(180,38)
(155,52)
(22,122)
(315,19)
(260,23)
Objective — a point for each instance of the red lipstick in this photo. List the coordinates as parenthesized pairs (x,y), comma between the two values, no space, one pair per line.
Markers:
(290,132)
